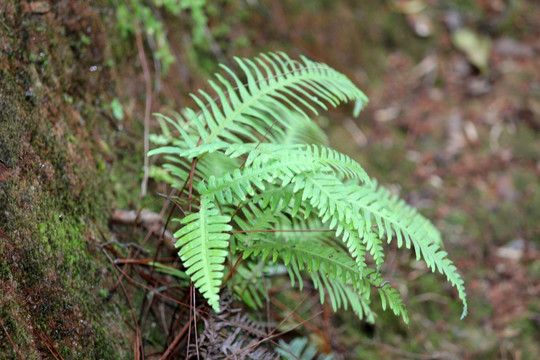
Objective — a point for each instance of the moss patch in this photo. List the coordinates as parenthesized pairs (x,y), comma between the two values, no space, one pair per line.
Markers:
(53,183)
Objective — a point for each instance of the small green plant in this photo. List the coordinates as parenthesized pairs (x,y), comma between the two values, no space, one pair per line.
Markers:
(299,348)
(256,181)
(145,14)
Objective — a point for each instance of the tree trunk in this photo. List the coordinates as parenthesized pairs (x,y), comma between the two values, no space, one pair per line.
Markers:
(54,182)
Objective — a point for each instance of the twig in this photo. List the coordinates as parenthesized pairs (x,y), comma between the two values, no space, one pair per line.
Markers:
(132,280)
(194,299)
(150,232)
(191,306)
(147,106)
(138,343)
(147,261)
(50,346)
(130,244)
(231,272)
(11,341)
(272,335)
(171,349)
(151,221)
(299,318)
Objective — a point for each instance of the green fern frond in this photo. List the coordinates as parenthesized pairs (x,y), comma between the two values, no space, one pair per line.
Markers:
(329,196)
(213,164)
(238,150)
(337,204)
(275,85)
(254,220)
(349,285)
(300,349)
(396,219)
(202,241)
(312,256)
(345,288)
(323,158)
(300,229)
(242,183)
(393,217)
(375,247)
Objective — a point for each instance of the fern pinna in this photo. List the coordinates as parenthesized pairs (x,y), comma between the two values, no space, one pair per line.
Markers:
(254,172)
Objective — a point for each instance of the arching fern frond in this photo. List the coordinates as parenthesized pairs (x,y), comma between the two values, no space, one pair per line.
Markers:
(275,85)
(396,219)
(332,271)
(252,221)
(393,217)
(241,183)
(202,241)
(344,206)
(323,158)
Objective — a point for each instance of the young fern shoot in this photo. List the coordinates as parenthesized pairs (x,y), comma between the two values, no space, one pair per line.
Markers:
(250,165)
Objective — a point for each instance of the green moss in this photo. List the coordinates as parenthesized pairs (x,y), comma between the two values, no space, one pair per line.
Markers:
(52,190)
(14,326)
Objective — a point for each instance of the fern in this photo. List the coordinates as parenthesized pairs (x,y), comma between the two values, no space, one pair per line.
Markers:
(299,348)
(349,286)
(259,169)
(202,241)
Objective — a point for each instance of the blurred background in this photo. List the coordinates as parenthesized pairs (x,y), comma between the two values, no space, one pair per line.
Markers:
(453,127)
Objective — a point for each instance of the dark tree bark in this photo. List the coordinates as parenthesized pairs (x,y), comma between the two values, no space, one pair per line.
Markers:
(54,183)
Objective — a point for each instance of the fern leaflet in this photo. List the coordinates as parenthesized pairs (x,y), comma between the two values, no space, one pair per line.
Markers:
(202,241)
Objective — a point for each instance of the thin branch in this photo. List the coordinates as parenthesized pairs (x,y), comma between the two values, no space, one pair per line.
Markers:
(11,341)
(138,343)
(50,346)
(280,230)
(309,326)
(171,349)
(147,107)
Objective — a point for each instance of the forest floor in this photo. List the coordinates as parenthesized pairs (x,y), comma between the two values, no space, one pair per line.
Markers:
(453,125)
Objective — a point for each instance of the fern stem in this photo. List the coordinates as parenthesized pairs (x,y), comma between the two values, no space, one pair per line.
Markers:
(280,230)
(259,143)
(191,174)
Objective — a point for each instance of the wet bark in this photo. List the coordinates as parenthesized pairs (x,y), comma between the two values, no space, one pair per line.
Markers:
(54,185)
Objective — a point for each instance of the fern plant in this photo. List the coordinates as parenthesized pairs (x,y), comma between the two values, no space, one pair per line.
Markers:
(257,180)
